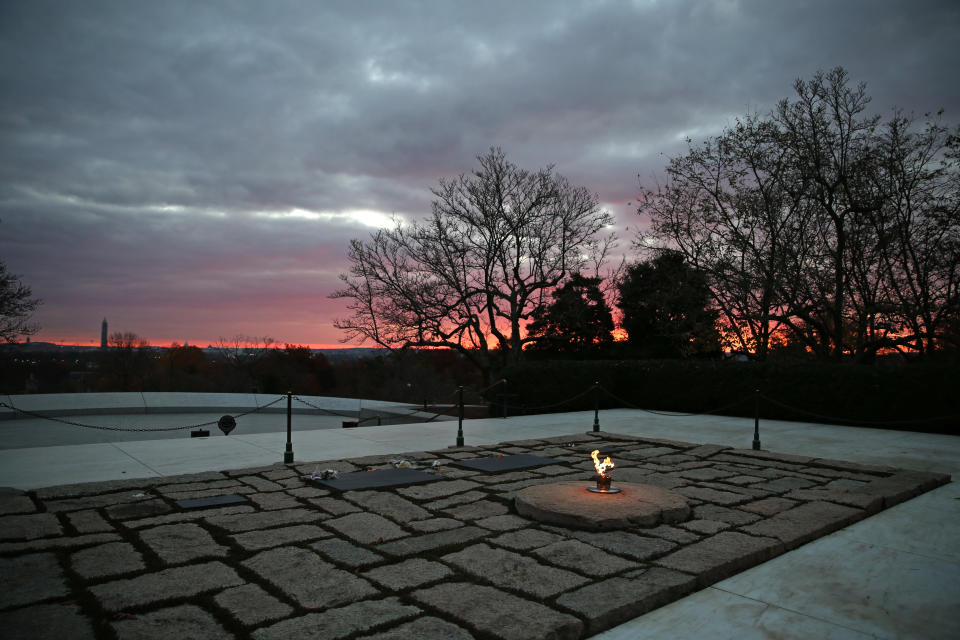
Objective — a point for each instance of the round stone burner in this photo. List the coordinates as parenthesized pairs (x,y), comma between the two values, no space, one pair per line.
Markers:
(570,504)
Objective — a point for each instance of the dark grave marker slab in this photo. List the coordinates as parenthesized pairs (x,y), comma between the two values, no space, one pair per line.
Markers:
(213,501)
(376,479)
(506,463)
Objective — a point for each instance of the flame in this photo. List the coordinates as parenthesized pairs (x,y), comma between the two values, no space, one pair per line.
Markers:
(601,467)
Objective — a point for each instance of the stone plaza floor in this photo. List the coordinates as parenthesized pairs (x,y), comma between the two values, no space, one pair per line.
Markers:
(452,558)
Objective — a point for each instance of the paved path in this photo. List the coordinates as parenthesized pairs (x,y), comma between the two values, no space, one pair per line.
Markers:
(251,570)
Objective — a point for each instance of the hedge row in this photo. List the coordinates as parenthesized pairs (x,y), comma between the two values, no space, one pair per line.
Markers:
(909,396)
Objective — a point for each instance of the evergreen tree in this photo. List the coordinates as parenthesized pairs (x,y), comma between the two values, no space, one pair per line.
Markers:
(578,320)
(665,305)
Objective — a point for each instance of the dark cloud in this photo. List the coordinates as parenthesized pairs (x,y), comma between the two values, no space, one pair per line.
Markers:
(153,153)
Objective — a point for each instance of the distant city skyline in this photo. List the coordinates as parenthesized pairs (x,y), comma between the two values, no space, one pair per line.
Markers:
(195,171)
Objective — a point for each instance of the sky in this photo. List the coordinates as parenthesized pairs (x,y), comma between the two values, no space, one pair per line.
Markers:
(195,170)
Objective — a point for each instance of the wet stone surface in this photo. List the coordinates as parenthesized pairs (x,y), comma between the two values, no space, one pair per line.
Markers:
(120,559)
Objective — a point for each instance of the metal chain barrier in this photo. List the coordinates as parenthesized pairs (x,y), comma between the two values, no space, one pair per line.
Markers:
(833,419)
(669,413)
(551,406)
(359,420)
(34,414)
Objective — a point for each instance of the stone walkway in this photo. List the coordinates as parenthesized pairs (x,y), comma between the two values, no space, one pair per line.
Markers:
(446,559)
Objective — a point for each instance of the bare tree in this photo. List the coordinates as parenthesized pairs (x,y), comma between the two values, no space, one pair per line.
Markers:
(726,211)
(242,353)
(470,276)
(919,227)
(821,225)
(16,307)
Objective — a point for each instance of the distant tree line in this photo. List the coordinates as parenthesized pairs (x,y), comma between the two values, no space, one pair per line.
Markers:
(239,365)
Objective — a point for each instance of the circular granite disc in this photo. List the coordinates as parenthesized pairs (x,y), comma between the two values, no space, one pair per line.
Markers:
(570,504)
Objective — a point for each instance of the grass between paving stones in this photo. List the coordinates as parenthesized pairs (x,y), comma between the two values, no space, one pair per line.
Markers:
(240,572)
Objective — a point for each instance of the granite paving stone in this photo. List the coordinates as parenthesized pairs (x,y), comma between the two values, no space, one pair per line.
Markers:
(504,522)
(844,484)
(186,487)
(250,605)
(29,527)
(65,542)
(260,484)
(60,621)
(185,621)
(142,509)
(338,623)
(435,524)
(869,503)
(89,521)
(341,466)
(673,534)
(722,555)
(647,453)
(768,506)
(367,528)
(499,478)
(238,522)
(499,614)
(662,480)
(705,527)
(454,500)
(15,502)
(307,578)
(274,500)
(95,501)
(742,480)
(723,514)
(526,539)
(513,571)
(706,450)
(342,552)
(335,506)
(30,578)
(616,600)
(179,582)
(623,543)
(267,538)
(279,474)
(805,522)
(178,543)
(428,627)
(704,473)
(308,492)
(415,572)
(439,489)
(477,510)
(240,489)
(432,541)
(784,484)
(715,496)
(903,485)
(110,559)
(187,516)
(584,558)
(388,504)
